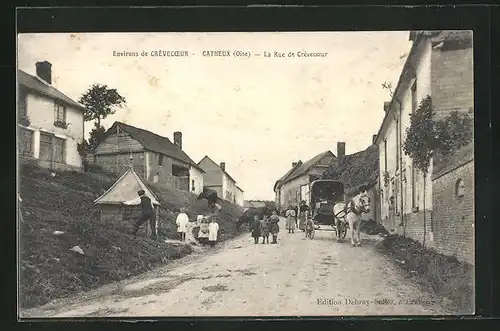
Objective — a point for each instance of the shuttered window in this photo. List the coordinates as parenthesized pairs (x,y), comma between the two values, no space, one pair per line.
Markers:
(59,113)
(52,148)
(22,104)
(59,150)
(25,142)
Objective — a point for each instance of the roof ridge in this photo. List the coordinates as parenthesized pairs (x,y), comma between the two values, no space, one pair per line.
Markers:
(138,128)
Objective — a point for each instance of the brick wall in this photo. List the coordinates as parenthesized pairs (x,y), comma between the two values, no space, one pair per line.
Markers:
(452,78)
(413,226)
(454,216)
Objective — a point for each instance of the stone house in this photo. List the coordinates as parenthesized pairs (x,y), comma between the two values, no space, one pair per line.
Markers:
(50,124)
(453,205)
(155,158)
(218,179)
(293,187)
(439,65)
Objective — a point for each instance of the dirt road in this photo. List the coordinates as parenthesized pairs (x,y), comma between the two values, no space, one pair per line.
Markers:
(296,277)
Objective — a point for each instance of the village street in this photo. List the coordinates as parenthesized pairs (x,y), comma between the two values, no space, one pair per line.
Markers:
(296,277)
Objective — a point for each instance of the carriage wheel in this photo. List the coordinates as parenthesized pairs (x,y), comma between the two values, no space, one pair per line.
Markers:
(342,230)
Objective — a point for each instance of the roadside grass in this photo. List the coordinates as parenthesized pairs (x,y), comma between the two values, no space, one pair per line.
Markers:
(48,269)
(445,276)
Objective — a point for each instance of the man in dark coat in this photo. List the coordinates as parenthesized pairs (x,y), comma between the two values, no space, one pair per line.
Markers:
(256,229)
(147,212)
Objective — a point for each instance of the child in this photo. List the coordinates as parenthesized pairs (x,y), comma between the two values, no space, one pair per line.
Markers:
(213,228)
(274,220)
(182,223)
(256,229)
(264,229)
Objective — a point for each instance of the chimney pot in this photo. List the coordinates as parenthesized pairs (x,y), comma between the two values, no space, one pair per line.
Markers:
(178,139)
(386,106)
(223,166)
(340,150)
(44,71)
(374,138)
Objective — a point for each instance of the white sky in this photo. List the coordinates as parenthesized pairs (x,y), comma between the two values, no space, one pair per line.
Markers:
(257,114)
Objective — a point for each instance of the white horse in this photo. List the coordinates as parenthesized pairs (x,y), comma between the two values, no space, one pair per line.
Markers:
(350,213)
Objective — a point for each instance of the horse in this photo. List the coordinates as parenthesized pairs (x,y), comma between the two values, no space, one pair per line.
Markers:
(350,213)
(212,199)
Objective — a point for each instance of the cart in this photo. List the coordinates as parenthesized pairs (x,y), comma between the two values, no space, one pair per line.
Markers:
(323,195)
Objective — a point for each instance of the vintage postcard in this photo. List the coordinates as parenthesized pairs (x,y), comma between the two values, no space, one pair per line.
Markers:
(245,174)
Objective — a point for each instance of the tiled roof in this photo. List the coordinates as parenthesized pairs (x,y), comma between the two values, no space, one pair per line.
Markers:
(36,84)
(155,143)
(306,166)
(224,171)
(288,173)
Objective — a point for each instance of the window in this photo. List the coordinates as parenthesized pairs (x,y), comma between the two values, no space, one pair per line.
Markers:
(45,146)
(414,102)
(385,154)
(397,144)
(25,142)
(59,113)
(459,188)
(22,105)
(52,148)
(414,188)
(192,185)
(59,150)
(160,159)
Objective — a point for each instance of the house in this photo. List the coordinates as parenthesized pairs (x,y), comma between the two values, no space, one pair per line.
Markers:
(295,187)
(110,203)
(216,177)
(239,196)
(253,204)
(453,202)
(50,124)
(439,65)
(356,171)
(280,198)
(155,158)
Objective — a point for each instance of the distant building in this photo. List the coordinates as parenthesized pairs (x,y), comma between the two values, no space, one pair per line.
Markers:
(240,198)
(294,186)
(154,157)
(453,205)
(218,179)
(50,124)
(440,65)
(253,204)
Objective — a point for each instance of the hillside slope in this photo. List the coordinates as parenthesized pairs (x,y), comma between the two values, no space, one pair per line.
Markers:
(49,269)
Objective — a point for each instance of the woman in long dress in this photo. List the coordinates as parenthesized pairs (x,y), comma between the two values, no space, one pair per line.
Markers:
(275,228)
(290,219)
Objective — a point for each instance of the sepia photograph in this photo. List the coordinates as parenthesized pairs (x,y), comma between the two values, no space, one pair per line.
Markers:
(253,174)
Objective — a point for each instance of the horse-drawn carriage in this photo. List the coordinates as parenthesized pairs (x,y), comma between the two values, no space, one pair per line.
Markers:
(323,195)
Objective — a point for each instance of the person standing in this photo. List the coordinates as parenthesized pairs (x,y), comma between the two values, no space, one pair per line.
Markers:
(182,223)
(147,212)
(290,219)
(304,211)
(264,230)
(275,228)
(213,229)
(256,229)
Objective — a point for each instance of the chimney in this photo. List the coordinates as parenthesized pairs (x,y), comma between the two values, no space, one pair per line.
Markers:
(44,71)
(223,166)
(178,139)
(374,138)
(386,106)
(340,150)
(294,164)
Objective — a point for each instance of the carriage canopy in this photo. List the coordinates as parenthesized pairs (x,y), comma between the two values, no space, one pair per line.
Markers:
(324,193)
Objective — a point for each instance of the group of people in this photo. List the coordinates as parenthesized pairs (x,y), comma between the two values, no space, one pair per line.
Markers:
(296,217)
(182,220)
(264,227)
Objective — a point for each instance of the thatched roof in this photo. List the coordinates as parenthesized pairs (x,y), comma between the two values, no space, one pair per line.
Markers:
(356,170)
